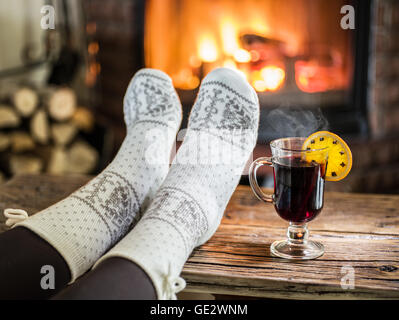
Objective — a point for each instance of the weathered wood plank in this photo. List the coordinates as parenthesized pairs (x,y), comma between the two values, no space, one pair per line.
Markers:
(240,252)
(359,231)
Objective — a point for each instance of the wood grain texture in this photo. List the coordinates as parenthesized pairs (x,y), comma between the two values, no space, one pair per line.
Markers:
(359,231)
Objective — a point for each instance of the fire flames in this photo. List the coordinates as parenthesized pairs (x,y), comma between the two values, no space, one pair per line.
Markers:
(203,35)
(231,54)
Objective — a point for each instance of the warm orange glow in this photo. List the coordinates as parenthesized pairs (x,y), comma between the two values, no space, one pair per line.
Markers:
(303,82)
(229,63)
(195,62)
(258,23)
(229,37)
(207,50)
(259,85)
(311,76)
(193,82)
(242,55)
(95,68)
(260,38)
(185,80)
(93,48)
(255,55)
(273,77)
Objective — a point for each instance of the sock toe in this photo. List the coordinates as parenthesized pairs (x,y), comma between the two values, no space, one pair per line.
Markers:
(153,73)
(228,106)
(234,80)
(154,87)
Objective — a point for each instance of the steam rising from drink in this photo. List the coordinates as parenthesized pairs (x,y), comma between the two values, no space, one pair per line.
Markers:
(296,122)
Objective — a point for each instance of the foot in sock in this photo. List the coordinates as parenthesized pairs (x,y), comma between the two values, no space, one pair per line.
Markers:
(86,224)
(188,207)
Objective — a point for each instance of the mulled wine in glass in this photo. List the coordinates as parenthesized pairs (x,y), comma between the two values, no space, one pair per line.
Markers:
(299,178)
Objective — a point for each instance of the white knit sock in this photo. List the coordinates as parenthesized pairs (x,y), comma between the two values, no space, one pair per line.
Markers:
(91,220)
(188,208)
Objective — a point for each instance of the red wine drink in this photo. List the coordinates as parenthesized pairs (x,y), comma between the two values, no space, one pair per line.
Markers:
(298,189)
(299,178)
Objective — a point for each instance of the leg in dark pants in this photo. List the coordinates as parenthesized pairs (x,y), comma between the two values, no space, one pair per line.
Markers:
(23,254)
(114,278)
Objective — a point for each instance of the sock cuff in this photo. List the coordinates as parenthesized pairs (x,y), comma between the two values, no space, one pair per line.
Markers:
(233,81)
(71,235)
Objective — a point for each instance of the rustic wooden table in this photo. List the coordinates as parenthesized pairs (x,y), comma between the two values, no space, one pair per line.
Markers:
(359,231)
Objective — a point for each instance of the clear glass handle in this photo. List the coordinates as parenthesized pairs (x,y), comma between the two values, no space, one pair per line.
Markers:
(253,181)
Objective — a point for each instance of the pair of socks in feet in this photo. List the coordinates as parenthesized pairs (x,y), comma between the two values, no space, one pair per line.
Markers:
(141,209)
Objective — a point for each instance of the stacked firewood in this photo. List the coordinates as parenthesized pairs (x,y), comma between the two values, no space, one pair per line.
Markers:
(43,131)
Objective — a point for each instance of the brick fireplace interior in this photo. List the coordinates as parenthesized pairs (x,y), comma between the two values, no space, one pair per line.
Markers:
(294,54)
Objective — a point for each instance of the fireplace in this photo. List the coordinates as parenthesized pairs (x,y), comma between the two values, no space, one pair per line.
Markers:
(289,48)
(362,105)
(294,53)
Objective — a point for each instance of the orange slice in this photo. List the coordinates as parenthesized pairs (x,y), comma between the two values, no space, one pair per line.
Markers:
(339,155)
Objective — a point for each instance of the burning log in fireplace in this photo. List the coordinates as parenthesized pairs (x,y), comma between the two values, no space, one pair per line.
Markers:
(267,67)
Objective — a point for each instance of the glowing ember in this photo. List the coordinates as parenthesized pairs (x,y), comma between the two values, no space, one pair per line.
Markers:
(259,85)
(242,55)
(273,77)
(270,78)
(311,76)
(229,36)
(207,49)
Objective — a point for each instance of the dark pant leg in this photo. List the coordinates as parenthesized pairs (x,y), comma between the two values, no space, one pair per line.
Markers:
(114,278)
(22,257)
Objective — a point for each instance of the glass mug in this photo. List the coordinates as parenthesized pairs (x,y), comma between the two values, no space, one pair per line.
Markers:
(298,193)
